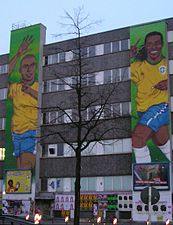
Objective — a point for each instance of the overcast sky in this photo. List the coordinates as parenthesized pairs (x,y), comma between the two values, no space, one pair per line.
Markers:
(113,14)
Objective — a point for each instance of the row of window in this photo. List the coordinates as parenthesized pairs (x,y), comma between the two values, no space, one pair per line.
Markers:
(110,183)
(94,112)
(97,78)
(91,51)
(115,146)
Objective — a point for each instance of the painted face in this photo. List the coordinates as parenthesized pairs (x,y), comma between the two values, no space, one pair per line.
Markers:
(153,47)
(28,67)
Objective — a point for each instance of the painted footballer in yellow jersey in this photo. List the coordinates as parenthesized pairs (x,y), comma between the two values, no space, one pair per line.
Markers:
(25,106)
(150,76)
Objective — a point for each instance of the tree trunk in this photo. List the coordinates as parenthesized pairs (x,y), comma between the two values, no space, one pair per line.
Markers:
(77,188)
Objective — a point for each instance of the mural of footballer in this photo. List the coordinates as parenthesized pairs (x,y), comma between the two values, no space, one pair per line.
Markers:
(149,73)
(24,96)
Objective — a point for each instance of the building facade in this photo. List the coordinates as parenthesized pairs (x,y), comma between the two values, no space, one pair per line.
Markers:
(106,167)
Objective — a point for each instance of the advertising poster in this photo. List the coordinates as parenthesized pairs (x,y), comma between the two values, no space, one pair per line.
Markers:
(18,181)
(16,207)
(64,202)
(25,63)
(150,109)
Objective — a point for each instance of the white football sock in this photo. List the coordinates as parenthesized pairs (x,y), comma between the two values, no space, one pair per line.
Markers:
(142,155)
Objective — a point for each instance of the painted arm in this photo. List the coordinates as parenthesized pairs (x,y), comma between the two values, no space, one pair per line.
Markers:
(23,48)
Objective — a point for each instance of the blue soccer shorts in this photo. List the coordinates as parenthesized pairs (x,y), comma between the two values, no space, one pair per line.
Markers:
(25,142)
(155,117)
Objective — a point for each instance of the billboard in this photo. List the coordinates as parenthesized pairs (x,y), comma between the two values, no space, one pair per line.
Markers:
(18,181)
(21,129)
(151,174)
(150,115)
(149,93)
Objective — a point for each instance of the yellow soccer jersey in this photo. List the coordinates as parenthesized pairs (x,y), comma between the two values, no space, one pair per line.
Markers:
(25,108)
(146,76)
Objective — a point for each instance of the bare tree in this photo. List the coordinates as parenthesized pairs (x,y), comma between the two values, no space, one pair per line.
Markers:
(85,98)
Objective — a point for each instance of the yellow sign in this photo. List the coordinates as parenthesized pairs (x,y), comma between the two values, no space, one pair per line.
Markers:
(18,181)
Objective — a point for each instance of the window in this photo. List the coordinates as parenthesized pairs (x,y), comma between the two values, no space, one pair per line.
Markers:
(68,116)
(116,110)
(2,123)
(76,54)
(53,117)
(91,51)
(52,59)
(61,85)
(125,73)
(91,79)
(125,109)
(3,68)
(107,48)
(115,46)
(127,182)
(124,44)
(107,111)
(3,93)
(53,85)
(99,49)
(62,57)
(68,56)
(108,183)
(2,153)
(52,150)
(117,183)
(99,76)
(107,76)
(59,184)
(84,52)
(116,75)
(60,149)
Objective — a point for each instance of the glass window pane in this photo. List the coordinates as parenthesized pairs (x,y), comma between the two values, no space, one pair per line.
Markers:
(107,48)
(116,109)
(107,111)
(117,183)
(91,184)
(60,117)
(91,51)
(84,186)
(54,85)
(126,182)
(1,123)
(107,76)
(84,80)
(73,184)
(115,46)
(125,109)
(91,79)
(115,75)
(124,45)
(84,52)
(60,149)
(53,117)
(108,147)
(125,73)
(59,184)
(60,85)
(75,54)
(108,184)
(62,57)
